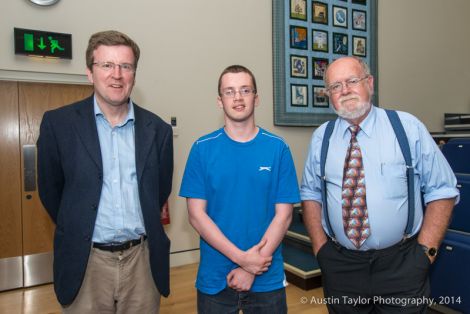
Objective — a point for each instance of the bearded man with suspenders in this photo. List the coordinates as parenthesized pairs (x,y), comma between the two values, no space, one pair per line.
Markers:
(364,178)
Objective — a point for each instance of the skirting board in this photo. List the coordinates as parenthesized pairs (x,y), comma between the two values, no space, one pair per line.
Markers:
(184,258)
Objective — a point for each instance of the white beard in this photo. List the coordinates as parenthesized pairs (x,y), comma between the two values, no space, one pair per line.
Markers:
(352,114)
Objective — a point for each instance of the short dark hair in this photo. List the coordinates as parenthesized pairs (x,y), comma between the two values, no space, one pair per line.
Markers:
(110,38)
(236,69)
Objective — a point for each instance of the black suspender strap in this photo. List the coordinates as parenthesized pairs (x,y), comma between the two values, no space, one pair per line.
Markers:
(324,151)
(405,150)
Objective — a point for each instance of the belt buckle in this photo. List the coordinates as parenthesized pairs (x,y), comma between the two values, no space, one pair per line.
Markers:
(122,247)
(117,248)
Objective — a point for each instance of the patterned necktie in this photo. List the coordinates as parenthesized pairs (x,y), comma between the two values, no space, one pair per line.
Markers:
(355,216)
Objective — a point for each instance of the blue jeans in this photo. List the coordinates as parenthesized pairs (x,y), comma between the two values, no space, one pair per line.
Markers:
(230,301)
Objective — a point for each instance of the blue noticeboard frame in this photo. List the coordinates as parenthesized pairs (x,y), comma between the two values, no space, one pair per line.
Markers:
(339,28)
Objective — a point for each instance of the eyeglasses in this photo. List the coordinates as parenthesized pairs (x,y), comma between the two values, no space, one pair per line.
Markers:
(110,66)
(350,83)
(244,92)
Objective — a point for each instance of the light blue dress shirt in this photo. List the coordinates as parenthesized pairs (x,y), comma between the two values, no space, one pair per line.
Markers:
(385,176)
(119,212)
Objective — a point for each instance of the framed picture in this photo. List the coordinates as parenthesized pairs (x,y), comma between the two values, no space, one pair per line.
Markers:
(320,12)
(318,67)
(320,97)
(298,66)
(359,46)
(340,16)
(307,36)
(359,20)
(299,95)
(319,40)
(298,10)
(298,37)
(340,43)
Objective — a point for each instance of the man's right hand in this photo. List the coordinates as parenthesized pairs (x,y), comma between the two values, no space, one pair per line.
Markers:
(313,222)
(317,245)
(240,280)
(253,262)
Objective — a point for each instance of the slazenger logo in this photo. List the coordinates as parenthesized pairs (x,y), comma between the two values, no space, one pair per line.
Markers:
(261,168)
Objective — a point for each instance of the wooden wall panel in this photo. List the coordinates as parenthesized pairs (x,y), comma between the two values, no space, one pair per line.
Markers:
(10,187)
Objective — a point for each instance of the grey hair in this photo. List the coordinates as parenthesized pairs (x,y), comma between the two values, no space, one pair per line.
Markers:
(362,63)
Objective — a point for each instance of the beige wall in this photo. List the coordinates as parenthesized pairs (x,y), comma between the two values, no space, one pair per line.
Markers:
(185,44)
(424,64)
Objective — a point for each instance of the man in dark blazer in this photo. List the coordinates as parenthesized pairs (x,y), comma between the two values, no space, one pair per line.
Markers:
(104,172)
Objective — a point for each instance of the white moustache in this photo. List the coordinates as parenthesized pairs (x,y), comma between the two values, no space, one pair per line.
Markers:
(347,98)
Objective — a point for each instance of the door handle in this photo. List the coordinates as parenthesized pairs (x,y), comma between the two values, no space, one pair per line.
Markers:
(29,168)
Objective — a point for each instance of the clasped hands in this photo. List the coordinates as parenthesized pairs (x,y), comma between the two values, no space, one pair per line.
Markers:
(251,263)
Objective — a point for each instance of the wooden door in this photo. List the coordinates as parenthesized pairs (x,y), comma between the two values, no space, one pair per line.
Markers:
(28,231)
(34,100)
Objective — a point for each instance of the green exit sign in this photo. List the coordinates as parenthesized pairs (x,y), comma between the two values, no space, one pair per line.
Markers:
(44,44)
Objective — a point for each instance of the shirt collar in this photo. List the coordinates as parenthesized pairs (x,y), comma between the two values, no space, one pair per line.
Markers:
(130,112)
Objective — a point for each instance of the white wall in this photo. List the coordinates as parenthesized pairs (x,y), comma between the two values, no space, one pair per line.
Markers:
(186,44)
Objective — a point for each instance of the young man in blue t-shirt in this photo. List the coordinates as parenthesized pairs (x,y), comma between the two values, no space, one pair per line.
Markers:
(240,184)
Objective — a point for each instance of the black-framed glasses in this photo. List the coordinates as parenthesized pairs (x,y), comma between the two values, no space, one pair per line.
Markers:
(110,66)
(350,83)
(244,92)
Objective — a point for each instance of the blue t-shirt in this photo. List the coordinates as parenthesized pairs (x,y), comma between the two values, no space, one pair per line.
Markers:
(241,182)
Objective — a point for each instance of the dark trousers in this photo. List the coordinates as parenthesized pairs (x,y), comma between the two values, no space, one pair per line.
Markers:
(229,301)
(392,280)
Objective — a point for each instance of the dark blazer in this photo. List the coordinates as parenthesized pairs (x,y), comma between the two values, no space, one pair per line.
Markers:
(70,178)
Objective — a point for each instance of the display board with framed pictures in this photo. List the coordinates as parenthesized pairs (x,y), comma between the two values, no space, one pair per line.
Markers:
(307,36)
